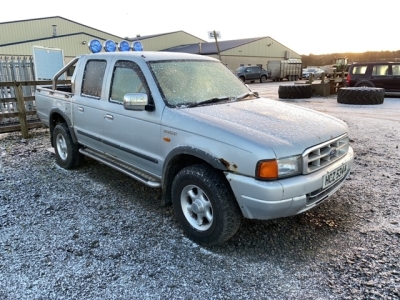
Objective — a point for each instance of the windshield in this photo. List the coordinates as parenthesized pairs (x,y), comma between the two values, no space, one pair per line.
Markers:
(240,69)
(187,83)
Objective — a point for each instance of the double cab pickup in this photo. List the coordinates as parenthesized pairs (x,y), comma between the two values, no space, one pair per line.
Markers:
(187,125)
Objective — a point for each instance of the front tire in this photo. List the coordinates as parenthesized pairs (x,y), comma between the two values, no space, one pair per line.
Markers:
(67,152)
(205,205)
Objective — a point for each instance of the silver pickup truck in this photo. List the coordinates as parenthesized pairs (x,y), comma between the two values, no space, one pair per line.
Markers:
(187,125)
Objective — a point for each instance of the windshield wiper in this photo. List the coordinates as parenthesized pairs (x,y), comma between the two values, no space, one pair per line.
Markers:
(208,101)
(245,95)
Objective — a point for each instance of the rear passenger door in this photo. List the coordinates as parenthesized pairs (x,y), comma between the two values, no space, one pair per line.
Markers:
(380,75)
(86,116)
(253,75)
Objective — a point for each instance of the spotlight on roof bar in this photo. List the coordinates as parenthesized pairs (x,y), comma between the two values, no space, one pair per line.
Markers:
(124,46)
(95,46)
(110,46)
(137,46)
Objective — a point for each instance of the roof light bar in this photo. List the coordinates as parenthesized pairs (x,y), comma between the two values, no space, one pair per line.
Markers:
(95,46)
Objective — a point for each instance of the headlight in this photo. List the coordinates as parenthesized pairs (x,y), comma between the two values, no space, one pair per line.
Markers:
(278,168)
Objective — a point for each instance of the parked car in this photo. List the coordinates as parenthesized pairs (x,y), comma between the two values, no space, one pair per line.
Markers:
(252,73)
(317,72)
(375,74)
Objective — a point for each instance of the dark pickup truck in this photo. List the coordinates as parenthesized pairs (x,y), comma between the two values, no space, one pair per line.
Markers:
(252,73)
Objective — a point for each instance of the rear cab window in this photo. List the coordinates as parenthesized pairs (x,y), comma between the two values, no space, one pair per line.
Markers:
(93,76)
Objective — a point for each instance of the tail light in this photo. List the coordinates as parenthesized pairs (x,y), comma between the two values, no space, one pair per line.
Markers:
(348,80)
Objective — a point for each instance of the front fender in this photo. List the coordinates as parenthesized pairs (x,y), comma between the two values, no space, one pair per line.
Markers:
(180,157)
(217,163)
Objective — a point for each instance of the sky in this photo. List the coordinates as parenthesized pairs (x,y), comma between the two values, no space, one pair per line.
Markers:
(305,27)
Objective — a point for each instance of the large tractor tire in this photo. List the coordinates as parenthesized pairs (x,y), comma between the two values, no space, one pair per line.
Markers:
(361,95)
(297,91)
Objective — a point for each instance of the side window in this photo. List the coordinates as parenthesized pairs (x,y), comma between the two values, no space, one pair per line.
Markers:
(396,69)
(380,70)
(127,78)
(93,78)
(359,70)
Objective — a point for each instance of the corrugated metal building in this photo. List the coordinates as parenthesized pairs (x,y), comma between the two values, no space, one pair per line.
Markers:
(236,53)
(17,39)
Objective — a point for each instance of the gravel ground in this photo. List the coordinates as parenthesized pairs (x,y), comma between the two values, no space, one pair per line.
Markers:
(94,233)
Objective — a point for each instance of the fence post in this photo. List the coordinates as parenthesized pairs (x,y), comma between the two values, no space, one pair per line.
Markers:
(21,110)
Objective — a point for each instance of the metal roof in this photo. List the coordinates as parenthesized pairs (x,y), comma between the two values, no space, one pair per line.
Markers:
(141,38)
(211,48)
(54,38)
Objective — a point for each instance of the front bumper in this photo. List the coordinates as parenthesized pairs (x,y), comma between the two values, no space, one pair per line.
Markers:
(265,200)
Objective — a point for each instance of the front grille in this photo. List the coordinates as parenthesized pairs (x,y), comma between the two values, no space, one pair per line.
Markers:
(324,154)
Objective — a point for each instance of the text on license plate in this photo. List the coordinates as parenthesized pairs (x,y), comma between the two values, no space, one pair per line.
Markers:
(335,175)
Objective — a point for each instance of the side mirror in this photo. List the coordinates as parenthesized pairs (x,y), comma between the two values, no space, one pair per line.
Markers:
(135,101)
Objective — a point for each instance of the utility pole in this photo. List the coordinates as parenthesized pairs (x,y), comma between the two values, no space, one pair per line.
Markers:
(216,43)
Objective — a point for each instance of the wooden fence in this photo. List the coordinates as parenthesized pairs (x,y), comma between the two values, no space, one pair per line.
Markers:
(18,112)
(17,94)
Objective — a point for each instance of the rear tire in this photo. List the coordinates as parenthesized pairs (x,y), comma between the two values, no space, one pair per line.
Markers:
(364,84)
(67,152)
(361,95)
(263,79)
(205,205)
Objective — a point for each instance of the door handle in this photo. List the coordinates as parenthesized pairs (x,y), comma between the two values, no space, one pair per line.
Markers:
(108,116)
(80,108)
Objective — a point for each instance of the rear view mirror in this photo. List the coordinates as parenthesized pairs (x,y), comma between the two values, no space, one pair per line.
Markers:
(135,101)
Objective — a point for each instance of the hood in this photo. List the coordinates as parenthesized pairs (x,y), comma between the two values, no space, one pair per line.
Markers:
(284,128)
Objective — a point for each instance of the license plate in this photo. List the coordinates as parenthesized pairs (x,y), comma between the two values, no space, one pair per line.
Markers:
(333,176)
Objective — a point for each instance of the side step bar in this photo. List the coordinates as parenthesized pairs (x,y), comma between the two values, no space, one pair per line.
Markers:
(137,174)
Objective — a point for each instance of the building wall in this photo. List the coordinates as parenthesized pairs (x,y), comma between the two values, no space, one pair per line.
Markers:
(26,30)
(17,38)
(71,46)
(265,47)
(234,62)
(256,53)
